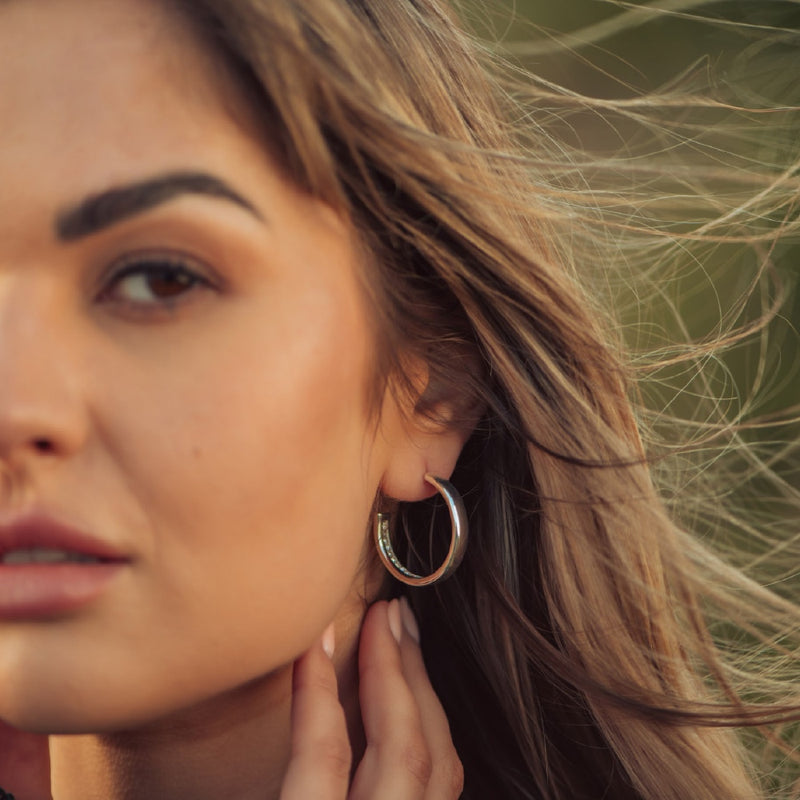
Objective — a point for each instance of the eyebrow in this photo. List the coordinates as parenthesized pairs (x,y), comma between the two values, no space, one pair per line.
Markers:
(101,210)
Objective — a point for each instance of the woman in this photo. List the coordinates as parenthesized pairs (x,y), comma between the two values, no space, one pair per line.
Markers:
(272,274)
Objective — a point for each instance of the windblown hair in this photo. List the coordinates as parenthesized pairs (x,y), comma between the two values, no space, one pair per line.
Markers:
(589,645)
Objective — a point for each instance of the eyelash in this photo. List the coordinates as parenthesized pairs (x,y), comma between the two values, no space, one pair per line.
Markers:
(170,268)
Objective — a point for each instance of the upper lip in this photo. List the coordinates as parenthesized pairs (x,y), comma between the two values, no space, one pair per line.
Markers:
(40,531)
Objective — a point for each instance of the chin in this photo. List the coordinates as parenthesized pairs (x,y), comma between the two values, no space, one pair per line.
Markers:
(57,710)
(38,717)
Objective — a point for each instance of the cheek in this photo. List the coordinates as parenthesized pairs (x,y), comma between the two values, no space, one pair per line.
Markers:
(254,471)
(265,478)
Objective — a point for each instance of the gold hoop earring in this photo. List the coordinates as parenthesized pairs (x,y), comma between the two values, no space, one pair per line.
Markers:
(458,539)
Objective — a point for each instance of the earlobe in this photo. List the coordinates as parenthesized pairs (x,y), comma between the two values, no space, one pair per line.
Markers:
(424,425)
(418,446)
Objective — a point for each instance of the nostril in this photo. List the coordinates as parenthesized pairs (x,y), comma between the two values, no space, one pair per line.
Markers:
(43,445)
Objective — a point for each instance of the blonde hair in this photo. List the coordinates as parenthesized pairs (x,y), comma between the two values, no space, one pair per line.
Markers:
(577,651)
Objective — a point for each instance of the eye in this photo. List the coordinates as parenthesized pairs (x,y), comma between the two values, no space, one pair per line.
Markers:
(152,281)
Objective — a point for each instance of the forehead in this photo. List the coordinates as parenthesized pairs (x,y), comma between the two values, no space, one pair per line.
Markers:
(91,89)
(75,43)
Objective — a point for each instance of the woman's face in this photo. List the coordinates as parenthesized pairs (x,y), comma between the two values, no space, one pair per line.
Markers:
(184,361)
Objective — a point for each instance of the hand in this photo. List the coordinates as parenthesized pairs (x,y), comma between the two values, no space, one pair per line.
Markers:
(409,753)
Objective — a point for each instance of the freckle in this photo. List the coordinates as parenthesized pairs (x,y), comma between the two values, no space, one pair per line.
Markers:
(197,452)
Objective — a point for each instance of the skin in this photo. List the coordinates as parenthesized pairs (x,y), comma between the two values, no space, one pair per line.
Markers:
(188,384)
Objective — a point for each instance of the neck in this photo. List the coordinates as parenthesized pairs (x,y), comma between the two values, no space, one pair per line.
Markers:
(234,746)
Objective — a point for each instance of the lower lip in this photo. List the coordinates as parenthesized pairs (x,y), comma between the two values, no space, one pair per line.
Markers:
(28,591)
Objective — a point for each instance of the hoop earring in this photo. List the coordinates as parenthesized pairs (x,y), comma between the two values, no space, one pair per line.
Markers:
(458,539)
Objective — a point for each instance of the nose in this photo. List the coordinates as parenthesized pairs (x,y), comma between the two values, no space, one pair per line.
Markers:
(41,413)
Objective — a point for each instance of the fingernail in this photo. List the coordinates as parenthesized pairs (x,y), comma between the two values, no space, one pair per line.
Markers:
(395,624)
(329,640)
(409,620)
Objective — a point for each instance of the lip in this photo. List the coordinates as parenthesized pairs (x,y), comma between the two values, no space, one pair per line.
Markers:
(36,590)
(39,530)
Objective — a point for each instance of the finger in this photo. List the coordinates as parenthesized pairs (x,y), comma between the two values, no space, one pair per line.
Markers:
(447,775)
(319,765)
(397,762)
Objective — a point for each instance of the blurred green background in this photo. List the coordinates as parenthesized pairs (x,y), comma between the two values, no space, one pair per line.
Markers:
(748,50)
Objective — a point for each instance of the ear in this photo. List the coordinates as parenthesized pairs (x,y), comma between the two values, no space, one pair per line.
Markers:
(417,444)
